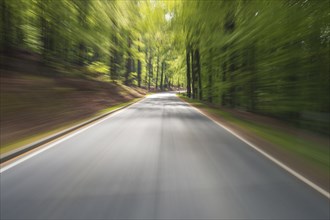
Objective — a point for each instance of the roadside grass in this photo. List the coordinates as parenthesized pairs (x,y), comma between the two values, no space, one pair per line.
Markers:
(112,108)
(38,136)
(313,153)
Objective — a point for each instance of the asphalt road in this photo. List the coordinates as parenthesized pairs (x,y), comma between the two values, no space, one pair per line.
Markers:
(159,158)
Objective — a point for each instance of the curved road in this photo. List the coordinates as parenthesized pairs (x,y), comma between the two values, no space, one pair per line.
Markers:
(158,158)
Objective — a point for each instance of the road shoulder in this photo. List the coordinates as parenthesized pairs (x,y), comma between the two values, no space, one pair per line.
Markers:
(302,166)
(19,152)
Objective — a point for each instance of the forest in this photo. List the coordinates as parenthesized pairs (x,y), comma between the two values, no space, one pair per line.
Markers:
(266,57)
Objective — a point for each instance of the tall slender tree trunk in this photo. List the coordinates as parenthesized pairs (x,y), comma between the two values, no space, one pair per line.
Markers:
(252,79)
(129,62)
(166,82)
(150,69)
(232,89)
(133,67)
(82,16)
(188,72)
(224,79)
(193,75)
(114,58)
(198,74)
(157,70)
(139,69)
(147,66)
(43,29)
(210,78)
(7,28)
(162,76)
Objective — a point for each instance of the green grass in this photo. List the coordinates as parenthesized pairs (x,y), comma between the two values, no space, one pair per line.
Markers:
(112,108)
(311,152)
(28,140)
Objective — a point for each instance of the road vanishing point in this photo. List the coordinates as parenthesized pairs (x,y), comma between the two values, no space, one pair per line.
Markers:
(157,159)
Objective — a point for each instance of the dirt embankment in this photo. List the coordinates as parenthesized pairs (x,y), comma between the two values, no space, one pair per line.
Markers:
(32,103)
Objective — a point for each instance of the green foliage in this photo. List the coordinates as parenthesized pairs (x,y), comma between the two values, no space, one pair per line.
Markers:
(269,57)
(98,67)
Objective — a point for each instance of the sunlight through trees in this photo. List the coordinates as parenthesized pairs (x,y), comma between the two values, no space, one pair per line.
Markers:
(268,57)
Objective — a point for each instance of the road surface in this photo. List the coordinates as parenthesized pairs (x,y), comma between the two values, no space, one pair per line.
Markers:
(158,158)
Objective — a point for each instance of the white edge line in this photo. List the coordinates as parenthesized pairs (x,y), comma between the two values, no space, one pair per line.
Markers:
(279,163)
(288,169)
(48,146)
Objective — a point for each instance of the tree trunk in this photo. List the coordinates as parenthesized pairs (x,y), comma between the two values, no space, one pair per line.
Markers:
(198,74)
(166,82)
(114,59)
(147,66)
(188,72)
(129,63)
(162,77)
(210,79)
(224,79)
(157,70)
(252,78)
(82,16)
(232,89)
(193,75)
(43,30)
(150,70)
(7,28)
(139,68)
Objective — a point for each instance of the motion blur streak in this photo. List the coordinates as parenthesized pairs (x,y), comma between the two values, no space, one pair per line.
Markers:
(158,159)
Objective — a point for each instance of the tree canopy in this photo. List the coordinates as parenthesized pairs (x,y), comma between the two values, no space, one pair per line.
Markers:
(268,57)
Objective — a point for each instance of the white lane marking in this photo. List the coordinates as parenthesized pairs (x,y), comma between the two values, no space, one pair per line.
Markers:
(279,163)
(48,146)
